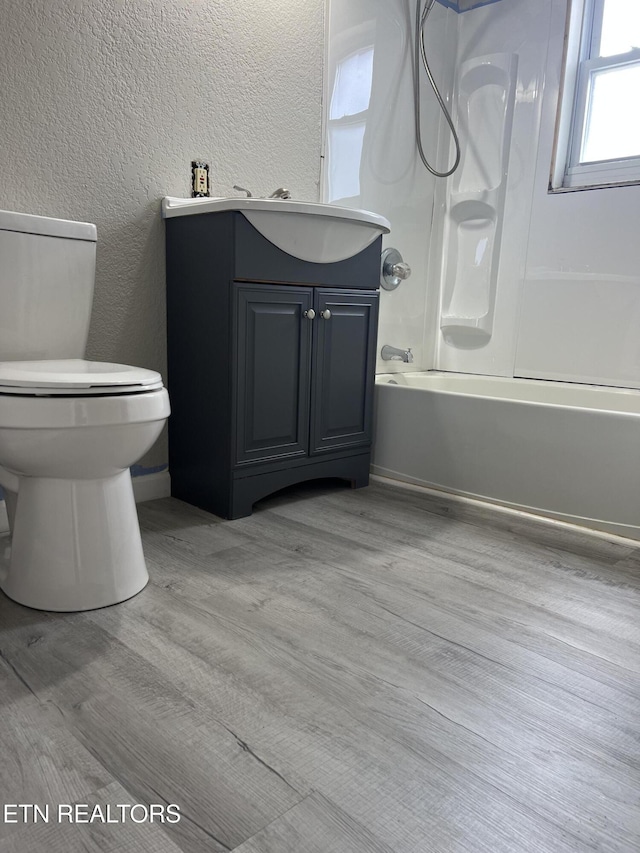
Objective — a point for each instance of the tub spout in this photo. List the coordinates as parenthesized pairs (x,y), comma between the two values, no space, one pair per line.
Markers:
(388,353)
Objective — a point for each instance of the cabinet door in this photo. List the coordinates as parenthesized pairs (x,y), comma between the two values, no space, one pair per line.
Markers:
(343,369)
(272,372)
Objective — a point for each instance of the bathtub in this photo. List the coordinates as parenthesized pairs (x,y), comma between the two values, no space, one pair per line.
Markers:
(557,449)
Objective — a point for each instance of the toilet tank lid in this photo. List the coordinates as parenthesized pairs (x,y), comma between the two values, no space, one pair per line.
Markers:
(28,223)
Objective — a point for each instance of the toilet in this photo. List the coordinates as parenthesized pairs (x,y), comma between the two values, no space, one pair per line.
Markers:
(69,428)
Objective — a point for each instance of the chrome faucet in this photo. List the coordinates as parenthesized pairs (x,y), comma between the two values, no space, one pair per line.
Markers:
(393,353)
(281,192)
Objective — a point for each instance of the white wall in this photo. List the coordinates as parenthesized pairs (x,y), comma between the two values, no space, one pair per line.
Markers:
(393,181)
(104,105)
(580,311)
(568,300)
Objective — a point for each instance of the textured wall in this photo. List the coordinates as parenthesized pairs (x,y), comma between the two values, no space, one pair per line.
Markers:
(104,103)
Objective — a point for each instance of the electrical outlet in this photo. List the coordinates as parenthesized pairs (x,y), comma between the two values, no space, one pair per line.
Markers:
(199,179)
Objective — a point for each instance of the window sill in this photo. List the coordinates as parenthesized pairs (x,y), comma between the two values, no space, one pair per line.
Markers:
(553,190)
(601,175)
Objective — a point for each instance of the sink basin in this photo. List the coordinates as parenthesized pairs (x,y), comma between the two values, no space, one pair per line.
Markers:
(320,233)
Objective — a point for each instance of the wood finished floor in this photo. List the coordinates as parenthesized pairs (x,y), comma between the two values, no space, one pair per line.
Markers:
(372,671)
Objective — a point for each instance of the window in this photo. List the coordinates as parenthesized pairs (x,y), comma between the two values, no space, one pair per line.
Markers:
(600,112)
(348,108)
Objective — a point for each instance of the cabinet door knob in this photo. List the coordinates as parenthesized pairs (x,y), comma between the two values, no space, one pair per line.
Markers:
(309,314)
(326,314)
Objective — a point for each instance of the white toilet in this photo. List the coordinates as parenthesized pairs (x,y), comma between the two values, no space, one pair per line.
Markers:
(69,428)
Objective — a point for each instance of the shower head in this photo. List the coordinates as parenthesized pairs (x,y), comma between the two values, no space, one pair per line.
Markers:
(428,6)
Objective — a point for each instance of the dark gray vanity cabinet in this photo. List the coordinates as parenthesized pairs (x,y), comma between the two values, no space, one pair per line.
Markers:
(271,364)
(343,369)
(273,371)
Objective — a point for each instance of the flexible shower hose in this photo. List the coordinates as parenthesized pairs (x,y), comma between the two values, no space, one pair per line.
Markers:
(420,53)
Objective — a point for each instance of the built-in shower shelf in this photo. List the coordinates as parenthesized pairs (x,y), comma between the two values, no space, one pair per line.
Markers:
(470,205)
(475,330)
(485,102)
(478,323)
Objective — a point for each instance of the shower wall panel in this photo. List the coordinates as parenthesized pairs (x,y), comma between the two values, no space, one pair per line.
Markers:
(370,157)
(484,99)
(580,309)
(501,62)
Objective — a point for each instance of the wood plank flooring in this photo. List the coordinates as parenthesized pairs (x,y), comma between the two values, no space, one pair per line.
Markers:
(370,671)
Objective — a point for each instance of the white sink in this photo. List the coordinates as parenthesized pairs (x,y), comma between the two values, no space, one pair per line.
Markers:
(321,233)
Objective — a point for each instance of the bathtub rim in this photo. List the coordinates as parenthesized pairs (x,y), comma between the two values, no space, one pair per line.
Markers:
(390,379)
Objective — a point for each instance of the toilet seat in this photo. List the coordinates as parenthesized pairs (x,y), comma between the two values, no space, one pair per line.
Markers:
(78,393)
(75,377)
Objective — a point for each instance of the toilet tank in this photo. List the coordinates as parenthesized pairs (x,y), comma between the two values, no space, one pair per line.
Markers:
(47,274)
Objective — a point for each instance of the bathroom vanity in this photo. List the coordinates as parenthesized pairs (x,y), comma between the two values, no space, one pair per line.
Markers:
(271,356)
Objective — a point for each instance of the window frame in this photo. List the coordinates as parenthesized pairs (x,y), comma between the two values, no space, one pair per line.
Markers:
(584,30)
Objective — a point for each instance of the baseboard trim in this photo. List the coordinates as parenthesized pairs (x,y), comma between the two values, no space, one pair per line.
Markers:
(150,487)
(383,475)
(146,487)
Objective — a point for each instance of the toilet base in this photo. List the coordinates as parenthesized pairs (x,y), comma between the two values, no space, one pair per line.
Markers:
(75,545)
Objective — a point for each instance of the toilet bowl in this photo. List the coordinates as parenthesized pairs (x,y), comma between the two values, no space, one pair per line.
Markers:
(69,431)
(69,428)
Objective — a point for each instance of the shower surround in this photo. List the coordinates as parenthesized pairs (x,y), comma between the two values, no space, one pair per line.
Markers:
(509,279)
(370,153)
(555,276)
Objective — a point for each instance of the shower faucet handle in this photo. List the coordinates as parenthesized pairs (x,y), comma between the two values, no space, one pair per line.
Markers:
(400,270)
(394,269)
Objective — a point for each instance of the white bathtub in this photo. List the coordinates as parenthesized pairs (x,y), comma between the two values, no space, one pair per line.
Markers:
(566,451)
